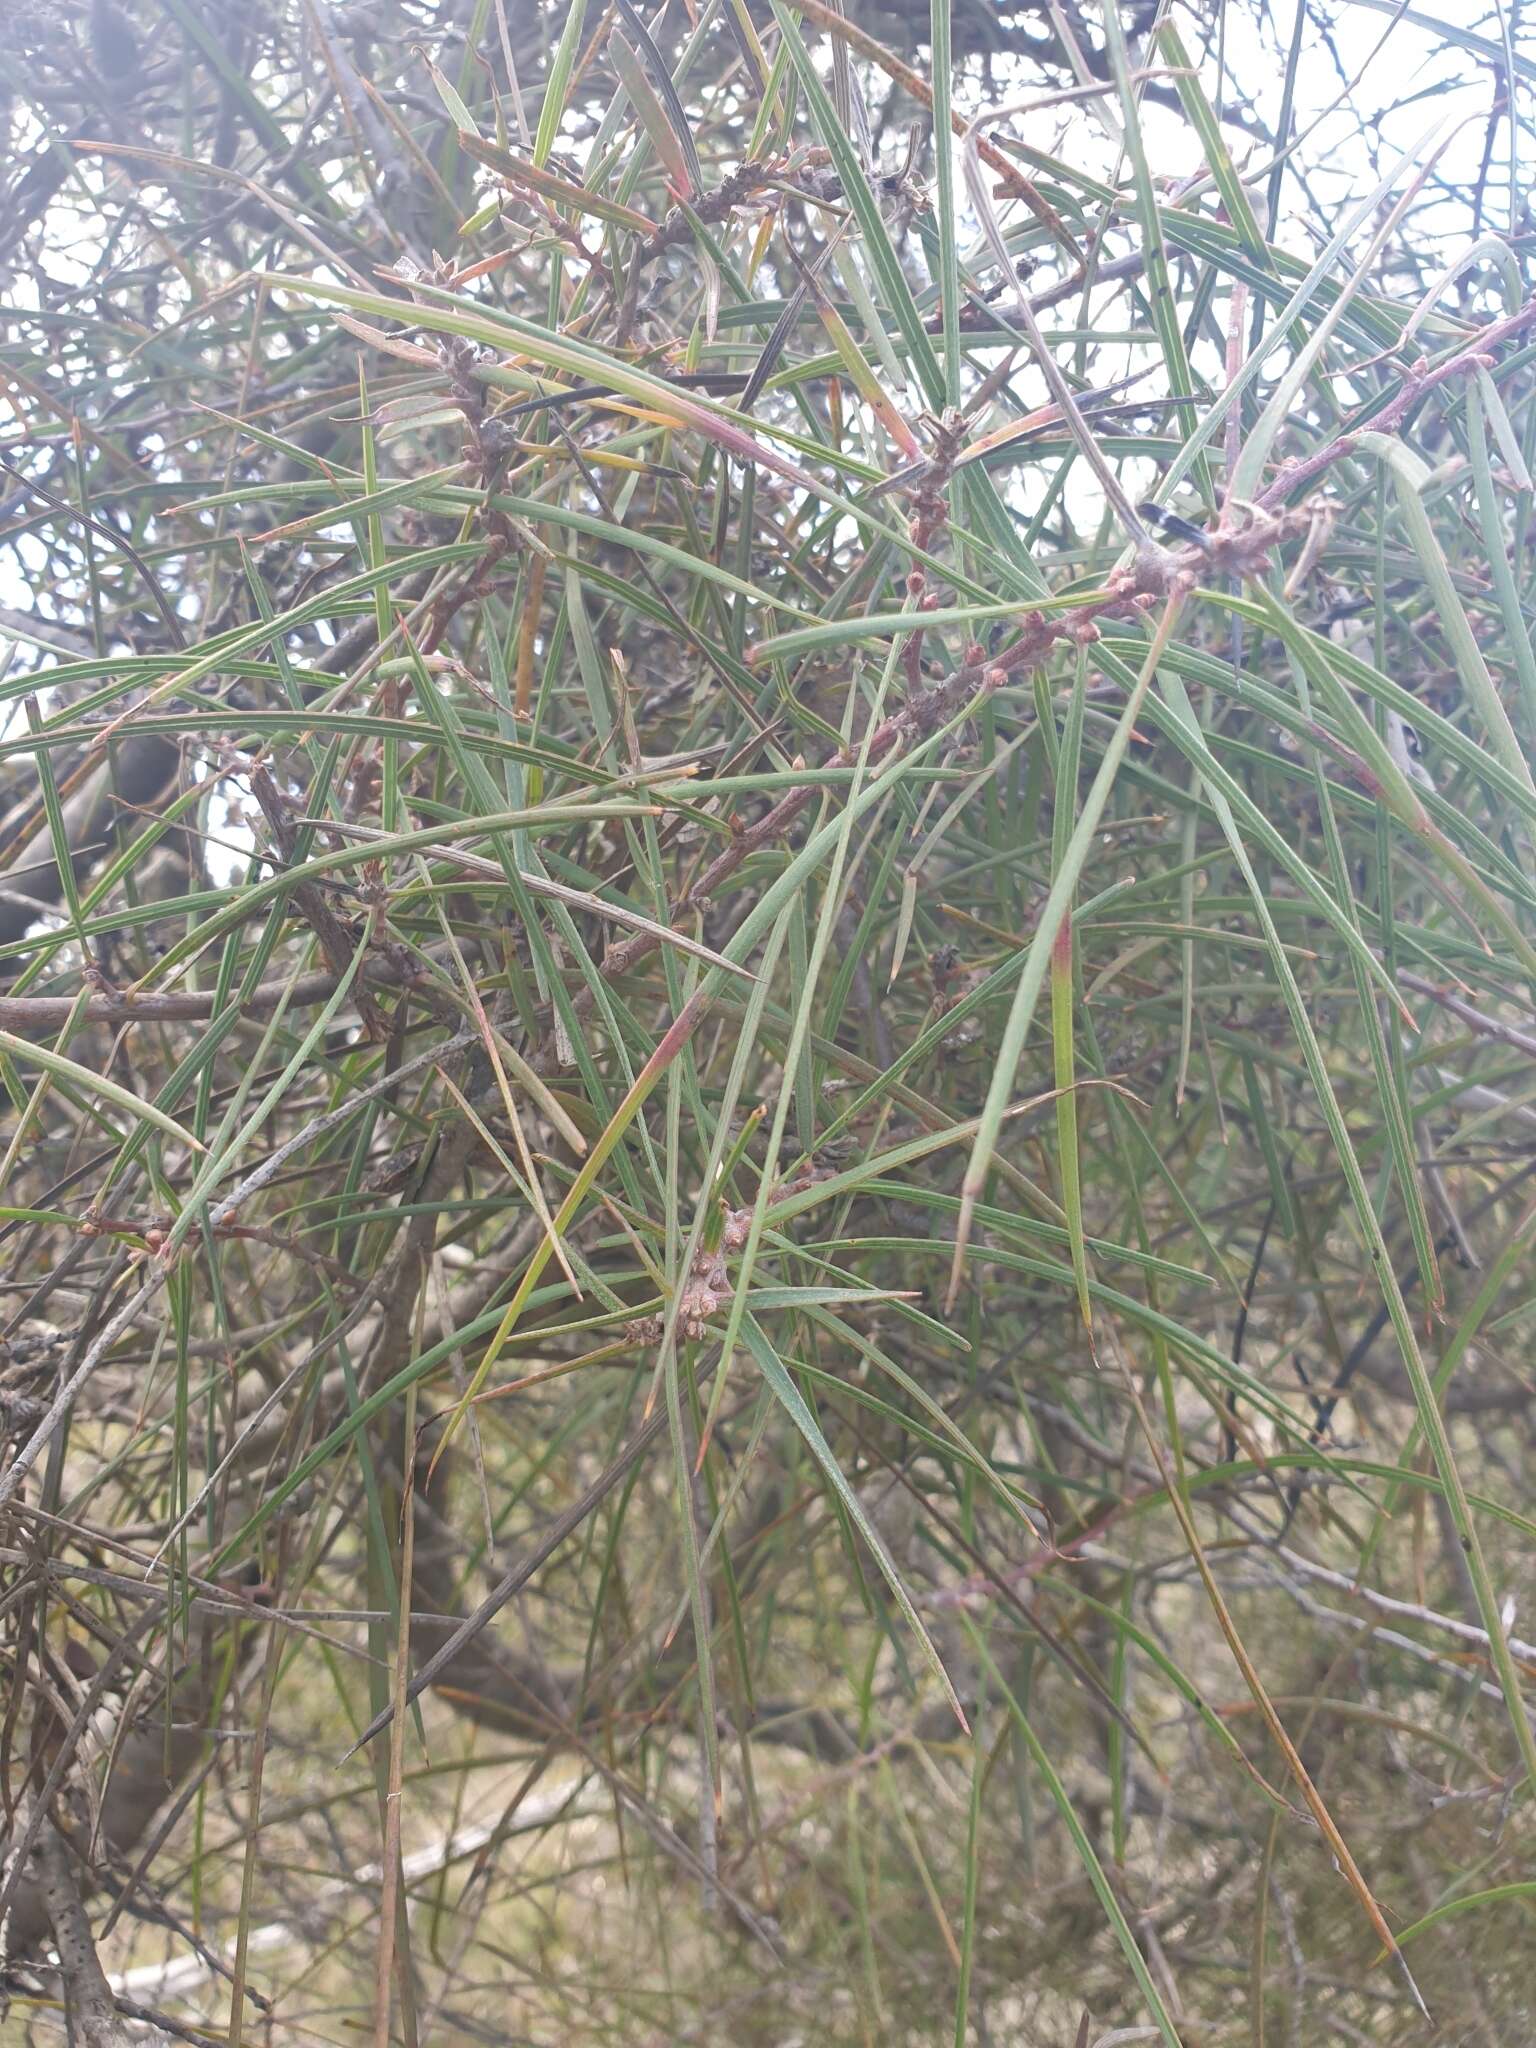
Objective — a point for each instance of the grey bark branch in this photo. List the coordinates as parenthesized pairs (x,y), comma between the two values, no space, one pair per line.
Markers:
(88,1998)
(141,774)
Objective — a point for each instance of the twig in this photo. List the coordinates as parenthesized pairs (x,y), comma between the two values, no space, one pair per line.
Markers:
(1299,474)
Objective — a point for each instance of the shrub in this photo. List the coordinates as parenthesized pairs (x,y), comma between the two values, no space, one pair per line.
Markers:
(769,943)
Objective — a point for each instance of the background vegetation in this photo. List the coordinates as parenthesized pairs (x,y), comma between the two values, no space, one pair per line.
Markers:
(770,981)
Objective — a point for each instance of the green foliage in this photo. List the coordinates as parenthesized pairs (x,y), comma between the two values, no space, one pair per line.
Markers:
(770,968)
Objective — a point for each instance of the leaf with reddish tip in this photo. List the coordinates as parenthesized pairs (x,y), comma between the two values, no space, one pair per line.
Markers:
(517,170)
(650,114)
